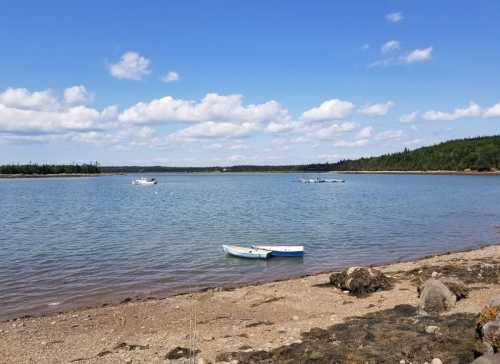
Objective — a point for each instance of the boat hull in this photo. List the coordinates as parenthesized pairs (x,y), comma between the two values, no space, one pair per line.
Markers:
(282,251)
(249,253)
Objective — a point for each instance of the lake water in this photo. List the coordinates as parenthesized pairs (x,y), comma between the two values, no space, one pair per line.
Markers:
(70,242)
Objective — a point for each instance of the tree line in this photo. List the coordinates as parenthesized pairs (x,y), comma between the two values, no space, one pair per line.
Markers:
(45,169)
(478,154)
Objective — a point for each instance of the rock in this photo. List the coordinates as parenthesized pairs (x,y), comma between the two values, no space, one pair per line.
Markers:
(360,281)
(436,361)
(435,274)
(202,361)
(488,359)
(180,352)
(436,297)
(488,328)
(458,288)
(431,329)
(128,361)
(295,318)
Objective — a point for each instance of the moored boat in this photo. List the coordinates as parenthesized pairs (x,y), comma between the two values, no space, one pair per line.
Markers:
(283,250)
(143,181)
(244,252)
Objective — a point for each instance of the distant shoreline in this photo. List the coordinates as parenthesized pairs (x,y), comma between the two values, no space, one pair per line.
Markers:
(55,175)
(452,173)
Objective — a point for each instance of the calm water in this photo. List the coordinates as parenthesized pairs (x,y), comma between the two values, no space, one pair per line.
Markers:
(70,242)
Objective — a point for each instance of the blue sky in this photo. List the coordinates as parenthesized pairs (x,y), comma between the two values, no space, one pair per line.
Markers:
(260,82)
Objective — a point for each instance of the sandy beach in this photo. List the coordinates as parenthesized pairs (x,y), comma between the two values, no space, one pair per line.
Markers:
(233,323)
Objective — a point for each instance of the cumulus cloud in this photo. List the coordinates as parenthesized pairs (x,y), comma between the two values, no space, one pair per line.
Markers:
(472,110)
(333,130)
(77,95)
(390,46)
(213,107)
(351,144)
(21,98)
(409,118)
(492,112)
(171,77)
(388,135)
(418,55)
(379,109)
(329,110)
(395,17)
(23,111)
(365,133)
(210,129)
(132,66)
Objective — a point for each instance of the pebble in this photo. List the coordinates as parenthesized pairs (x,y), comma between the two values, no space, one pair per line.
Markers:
(295,318)
(202,361)
(435,274)
(43,343)
(436,361)
(431,329)
(402,361)
(128,360)
(53,323)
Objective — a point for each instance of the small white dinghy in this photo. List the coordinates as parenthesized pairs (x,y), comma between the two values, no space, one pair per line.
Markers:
(244,252)
(283,250)
(143,181)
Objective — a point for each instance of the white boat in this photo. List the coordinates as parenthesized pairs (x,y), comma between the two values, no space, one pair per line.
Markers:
(283,250)
(143,181)
(244,252)
(320,180)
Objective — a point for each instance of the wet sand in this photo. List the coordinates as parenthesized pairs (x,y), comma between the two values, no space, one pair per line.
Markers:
(264,317)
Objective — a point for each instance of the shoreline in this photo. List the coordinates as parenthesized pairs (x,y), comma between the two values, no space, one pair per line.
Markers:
(57,175)
(125,299)
(259,316)
(439,173)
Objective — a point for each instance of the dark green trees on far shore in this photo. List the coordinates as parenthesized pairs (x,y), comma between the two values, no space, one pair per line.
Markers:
(45,169)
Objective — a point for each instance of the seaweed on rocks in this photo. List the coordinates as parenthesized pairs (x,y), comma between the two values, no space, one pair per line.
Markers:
(387,336)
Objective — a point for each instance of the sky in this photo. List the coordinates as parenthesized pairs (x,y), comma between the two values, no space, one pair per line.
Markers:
(204,83)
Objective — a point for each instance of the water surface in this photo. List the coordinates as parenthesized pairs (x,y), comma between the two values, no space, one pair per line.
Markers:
(68,242)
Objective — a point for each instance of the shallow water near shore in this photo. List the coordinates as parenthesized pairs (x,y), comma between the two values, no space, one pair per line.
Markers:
(70,242)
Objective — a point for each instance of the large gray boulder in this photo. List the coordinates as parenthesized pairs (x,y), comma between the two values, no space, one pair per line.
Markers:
(435,297)
(488,359)
(361,281)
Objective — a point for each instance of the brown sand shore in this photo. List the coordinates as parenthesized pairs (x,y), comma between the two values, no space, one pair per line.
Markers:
(263,321)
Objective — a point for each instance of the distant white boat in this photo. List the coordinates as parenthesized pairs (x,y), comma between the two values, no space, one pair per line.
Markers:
(321,180)
(143,181)
(244,252)
(283,250)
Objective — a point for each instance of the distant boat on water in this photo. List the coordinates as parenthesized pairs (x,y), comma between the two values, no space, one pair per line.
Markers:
(321,180)
(143,181)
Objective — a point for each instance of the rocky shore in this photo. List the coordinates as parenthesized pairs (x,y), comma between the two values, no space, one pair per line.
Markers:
(441,309)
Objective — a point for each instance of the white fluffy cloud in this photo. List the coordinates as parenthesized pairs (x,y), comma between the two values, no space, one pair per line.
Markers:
(492,112)
(23,111)
(365,133)
(170,77)
(21,98)
(329,110)
(333,130)
(409,118)
(210,129)
(132,66)
(389,46)
(378,109)
(472,110)
(351,144)
(213,107)
(77,95)
(395,17)
(418,55)
(388,135)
